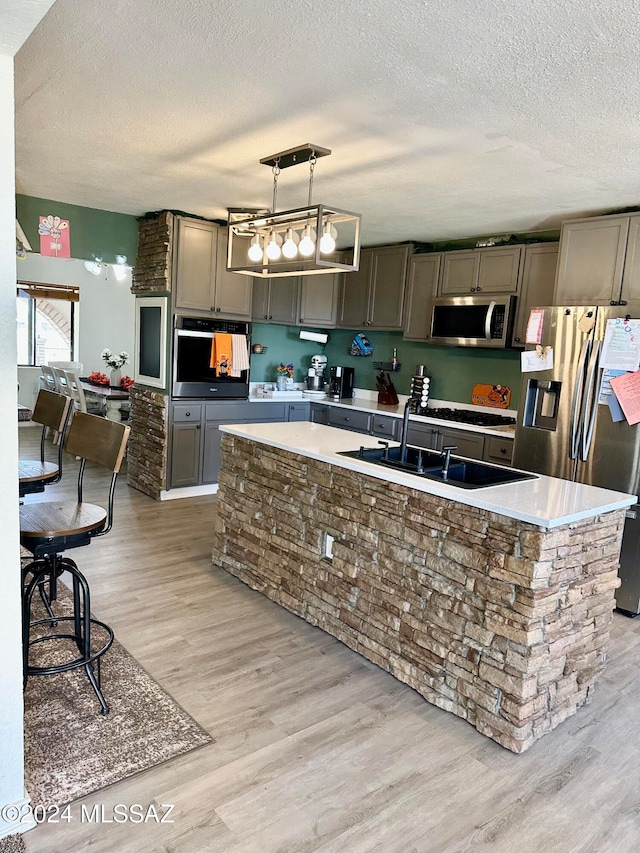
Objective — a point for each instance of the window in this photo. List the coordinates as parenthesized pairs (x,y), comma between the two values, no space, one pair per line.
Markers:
(45,322)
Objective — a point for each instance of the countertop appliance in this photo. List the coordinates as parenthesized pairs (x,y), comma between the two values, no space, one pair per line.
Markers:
(340,382)
(316,380)
(565,428)
(472,321)
(192,375)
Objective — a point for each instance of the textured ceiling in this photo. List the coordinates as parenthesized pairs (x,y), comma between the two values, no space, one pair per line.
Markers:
(446,119)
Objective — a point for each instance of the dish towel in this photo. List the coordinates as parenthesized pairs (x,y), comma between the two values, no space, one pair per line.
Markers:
(221,353)
(239,354)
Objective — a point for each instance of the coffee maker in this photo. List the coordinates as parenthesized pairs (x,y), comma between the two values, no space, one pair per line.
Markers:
(340,382)
(316,379)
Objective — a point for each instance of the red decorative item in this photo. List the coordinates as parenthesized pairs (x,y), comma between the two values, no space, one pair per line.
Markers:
(54,237)
(126,382)
(97,378)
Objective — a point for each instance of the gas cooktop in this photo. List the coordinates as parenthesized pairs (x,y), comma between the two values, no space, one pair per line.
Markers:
(465,416)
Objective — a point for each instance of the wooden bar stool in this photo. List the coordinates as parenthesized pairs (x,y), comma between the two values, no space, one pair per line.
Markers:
(48,529)
(52,410)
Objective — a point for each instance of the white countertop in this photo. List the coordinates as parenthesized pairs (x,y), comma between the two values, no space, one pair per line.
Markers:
(546,501)
(367,401)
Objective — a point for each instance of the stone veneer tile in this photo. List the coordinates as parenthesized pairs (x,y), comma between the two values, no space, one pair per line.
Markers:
(500,622)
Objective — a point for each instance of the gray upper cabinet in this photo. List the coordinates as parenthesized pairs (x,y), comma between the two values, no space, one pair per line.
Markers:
(631,276)
(422,287)
(276,300)
(536,285)
(491,270)
(591,261)
(373,296)
(319,297)
(201,281)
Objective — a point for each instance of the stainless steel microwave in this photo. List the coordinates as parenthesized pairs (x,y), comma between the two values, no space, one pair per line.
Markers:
(472,321)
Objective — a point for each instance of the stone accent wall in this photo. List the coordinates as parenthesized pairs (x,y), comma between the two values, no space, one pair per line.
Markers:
(152,272)
(500,622)
(148,441)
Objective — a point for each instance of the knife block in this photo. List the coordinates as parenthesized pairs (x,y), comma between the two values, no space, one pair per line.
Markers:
(388,397)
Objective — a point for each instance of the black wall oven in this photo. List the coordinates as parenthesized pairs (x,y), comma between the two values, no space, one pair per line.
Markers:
(192,375)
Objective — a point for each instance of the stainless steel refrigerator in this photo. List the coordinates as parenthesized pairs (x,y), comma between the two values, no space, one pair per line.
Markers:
(565,427)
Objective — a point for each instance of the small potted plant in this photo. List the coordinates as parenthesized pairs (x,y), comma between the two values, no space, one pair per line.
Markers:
(285,375)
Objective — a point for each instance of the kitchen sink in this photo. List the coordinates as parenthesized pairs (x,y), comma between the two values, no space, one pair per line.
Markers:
(428,464)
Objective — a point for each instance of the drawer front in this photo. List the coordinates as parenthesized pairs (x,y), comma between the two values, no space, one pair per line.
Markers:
(498,450)
(265,412)
(385,426)
(185,413)
(234,411)
(349,419)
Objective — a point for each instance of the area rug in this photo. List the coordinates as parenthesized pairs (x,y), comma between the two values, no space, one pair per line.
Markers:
(71,750)
(12,844)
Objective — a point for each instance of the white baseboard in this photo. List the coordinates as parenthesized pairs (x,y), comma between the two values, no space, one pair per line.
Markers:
(189,492)
(24,819)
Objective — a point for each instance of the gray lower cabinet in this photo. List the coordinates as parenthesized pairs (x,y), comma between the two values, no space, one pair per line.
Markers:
(499,450)
(319,413)
(211,450)
(196,436)
(469,444)
(186,444)
(297,411)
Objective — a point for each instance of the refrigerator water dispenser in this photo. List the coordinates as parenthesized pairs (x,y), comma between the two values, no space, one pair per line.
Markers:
(542,404)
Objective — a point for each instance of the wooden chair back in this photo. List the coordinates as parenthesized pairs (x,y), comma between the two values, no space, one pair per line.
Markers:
(98,439)
(51,409)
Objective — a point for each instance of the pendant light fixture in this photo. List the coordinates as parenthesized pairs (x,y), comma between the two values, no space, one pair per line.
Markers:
(304,241)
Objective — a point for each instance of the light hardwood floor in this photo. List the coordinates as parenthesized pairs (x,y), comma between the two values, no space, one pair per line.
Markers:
(317,749)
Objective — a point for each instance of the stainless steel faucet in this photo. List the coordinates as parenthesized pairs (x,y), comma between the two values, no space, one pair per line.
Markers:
(405,426)
(446,451)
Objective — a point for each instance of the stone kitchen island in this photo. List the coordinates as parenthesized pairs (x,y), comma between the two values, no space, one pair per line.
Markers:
(494,604)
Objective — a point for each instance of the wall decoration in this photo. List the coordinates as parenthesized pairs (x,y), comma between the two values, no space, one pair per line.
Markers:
(54,237)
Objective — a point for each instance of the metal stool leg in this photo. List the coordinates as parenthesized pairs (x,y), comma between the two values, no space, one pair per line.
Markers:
(42,571)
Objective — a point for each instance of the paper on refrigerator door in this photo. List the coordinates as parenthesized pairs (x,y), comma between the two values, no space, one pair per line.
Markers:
(540,358)
(627,390)
(621,348)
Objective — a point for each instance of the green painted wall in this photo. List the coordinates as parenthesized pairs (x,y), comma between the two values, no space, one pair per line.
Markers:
(93,233)
(453,370)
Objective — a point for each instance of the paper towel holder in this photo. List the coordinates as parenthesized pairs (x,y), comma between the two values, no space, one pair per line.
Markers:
(318,337)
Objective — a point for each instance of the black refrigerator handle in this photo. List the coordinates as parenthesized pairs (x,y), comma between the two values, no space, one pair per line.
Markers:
(590,400)
(577,417)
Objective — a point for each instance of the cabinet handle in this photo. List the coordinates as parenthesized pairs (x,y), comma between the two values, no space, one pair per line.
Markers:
(622,302)
(478,289)
(503,450)
(516,339)
(265,316)
(218,309)
(187,414)
(198,426)
(270,317)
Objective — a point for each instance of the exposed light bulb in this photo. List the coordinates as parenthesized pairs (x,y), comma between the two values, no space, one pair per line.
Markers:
(255,249)
(290,245)
(307,246)
(328,239)
(273,246)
